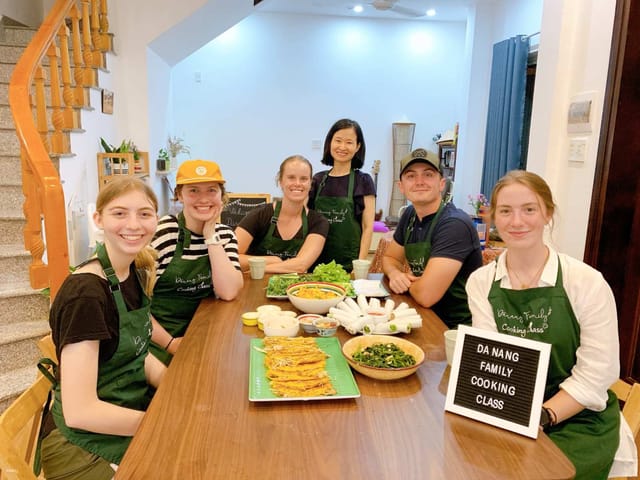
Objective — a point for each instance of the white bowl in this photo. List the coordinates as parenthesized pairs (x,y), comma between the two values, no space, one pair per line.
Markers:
(281,326)
(335,292)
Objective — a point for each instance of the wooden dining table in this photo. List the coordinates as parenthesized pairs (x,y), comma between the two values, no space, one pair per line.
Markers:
(202,425)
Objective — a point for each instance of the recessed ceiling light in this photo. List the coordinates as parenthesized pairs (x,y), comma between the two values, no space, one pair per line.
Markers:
(358,8)
(431,12)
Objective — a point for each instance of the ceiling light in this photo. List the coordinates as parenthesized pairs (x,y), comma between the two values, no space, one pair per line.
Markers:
(431,12)
(358,9)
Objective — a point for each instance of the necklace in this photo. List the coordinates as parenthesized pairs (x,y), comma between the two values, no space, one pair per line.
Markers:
(530,282)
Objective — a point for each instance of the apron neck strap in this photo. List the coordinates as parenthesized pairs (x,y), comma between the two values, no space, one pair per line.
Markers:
(412,222)
(184,234)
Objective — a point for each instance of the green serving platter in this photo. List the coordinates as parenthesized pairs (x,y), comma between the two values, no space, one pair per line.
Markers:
(337,368)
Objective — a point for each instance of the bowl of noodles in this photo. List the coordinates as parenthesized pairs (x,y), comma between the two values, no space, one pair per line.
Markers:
(315,297)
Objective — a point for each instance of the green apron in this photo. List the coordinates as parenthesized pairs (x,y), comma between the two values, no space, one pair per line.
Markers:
(453,307)
(345,232)
(178,291)
(278,247)
(589,439)
(121,379)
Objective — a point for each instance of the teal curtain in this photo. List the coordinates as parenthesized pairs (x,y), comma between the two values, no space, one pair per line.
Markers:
(505,117)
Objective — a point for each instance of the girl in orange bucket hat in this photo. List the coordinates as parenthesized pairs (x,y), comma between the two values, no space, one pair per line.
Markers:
(197,256)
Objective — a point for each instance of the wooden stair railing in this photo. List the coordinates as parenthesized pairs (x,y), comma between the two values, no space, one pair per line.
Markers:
(42,135)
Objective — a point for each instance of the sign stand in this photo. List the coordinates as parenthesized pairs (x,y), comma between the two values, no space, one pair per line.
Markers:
(498,379)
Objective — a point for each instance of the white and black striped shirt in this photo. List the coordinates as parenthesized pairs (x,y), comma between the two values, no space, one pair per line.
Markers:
(166,239)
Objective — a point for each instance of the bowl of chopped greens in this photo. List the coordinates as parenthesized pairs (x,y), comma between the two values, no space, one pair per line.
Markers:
(383,357)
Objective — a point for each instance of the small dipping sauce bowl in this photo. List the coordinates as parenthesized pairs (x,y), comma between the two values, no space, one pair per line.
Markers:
(326,327)
(306,322)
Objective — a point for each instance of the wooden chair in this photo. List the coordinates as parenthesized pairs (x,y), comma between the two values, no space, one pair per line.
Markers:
(48,348)
(19,429)
(630,396)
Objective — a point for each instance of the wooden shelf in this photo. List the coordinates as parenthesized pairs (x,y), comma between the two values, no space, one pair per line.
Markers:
(447,151)
(113,165)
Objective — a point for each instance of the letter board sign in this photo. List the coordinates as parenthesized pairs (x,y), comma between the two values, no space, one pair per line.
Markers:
(498,379)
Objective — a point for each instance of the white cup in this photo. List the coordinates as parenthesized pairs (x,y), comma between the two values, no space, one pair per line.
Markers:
(450,337)
(361,268)
(256,267)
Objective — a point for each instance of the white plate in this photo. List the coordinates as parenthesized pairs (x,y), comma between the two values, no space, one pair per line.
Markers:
(370,288)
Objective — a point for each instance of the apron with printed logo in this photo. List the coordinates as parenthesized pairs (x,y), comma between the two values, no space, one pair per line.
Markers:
(121,379)
(345,232)
(452,308)
(589,439)
(178,291)
(278,247)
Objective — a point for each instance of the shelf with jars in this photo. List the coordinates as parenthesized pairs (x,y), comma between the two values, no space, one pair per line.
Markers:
(115,164)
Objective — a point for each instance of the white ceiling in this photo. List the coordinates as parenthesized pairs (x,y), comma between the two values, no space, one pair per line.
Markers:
(446,10)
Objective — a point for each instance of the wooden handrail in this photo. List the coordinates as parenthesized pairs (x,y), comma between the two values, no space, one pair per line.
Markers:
(44,205)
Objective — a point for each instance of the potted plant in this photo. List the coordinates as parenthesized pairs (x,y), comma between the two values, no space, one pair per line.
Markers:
(163,162)
(176,146)
(120,166)
(479,203)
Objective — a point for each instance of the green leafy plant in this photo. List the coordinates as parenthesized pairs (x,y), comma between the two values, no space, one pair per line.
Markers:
(126,146)
(163,154)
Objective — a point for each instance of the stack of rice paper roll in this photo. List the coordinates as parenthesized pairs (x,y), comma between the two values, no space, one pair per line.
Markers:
(373,316)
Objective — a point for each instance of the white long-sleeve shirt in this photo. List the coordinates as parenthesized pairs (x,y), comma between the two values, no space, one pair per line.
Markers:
(597,366)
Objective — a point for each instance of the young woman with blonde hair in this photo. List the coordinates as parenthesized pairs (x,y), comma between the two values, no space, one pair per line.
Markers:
(101,327)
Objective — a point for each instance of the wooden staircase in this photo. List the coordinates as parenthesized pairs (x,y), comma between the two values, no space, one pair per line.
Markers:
(23,310)
(45,77)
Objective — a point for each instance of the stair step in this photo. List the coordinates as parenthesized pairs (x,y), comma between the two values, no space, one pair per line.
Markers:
(18,345)
(9,144)
(6,120)
(20,297)
(12,229)
(11,53)
(13,383)
(11,201)
(6,69)
(14,265)
(10,170)
(20,36)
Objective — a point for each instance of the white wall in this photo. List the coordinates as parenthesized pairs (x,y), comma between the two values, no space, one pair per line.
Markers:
(27,12)
(574,49)
(274,83)
(573,59)
(489,23)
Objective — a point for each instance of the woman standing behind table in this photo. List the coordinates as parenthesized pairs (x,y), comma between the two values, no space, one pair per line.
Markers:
(532,291)
(101,327)
(197,256)
(345,195)
(287,234)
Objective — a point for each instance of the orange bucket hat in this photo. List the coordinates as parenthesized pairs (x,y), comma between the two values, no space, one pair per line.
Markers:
(199,171)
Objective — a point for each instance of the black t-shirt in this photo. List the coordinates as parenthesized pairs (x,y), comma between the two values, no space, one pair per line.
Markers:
(454,236)
(258,221)
(84,309)
(339,187)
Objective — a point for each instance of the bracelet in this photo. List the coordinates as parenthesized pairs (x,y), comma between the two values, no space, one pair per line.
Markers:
(167,347)
(552,416)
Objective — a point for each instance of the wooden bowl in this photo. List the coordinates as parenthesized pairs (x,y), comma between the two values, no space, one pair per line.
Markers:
(357,343)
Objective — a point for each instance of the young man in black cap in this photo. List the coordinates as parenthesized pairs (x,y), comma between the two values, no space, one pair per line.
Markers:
(438,241)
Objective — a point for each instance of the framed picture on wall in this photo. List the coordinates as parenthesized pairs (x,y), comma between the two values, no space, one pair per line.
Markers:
(107,101)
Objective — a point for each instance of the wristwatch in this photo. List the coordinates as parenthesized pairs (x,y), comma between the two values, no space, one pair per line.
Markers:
(545,418)
(215,239)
